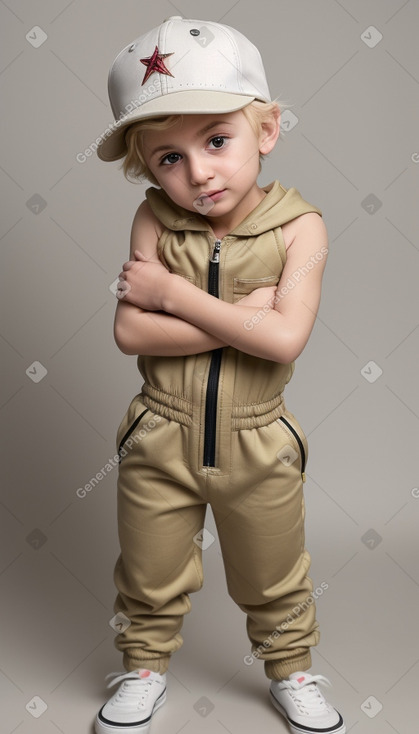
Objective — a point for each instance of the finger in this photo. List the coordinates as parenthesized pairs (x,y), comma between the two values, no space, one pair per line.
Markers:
(122,289)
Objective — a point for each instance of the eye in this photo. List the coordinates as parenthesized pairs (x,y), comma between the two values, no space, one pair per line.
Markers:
(218,141)
(170,158)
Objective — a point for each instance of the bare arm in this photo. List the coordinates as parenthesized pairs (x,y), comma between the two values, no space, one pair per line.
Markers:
(159,334)
(279,334)
(138,331)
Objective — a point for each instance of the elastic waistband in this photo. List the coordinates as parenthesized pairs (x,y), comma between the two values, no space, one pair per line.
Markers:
(243,415)
(254,415)
(167,405)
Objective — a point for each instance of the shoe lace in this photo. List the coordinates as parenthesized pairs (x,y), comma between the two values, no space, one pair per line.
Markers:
(306,695)
(132,691)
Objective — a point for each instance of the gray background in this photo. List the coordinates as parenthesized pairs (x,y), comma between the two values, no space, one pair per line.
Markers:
(354,152)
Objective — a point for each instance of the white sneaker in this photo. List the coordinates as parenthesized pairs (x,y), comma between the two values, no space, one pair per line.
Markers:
(304,706)
(130,709)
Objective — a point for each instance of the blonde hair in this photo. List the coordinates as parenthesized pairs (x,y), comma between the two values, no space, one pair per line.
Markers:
(134,165)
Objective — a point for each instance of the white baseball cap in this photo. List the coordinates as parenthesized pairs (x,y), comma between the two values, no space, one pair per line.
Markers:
(181,67)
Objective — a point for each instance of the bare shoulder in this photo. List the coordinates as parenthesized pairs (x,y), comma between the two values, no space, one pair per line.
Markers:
(146,231)
(308,227)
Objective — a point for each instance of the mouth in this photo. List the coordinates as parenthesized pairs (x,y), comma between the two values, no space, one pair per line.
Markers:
(211,194)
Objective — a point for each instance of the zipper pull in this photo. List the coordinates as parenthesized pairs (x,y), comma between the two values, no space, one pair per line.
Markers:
(216,252)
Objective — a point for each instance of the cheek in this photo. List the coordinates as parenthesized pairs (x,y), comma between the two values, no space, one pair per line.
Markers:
(163,178)
(157,172)
(244,164)
(175,188)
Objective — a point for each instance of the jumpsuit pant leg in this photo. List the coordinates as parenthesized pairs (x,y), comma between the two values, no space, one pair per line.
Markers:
(258,507)
(260,523)
(159,513)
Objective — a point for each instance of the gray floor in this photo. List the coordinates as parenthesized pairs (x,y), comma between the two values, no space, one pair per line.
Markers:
(350,71)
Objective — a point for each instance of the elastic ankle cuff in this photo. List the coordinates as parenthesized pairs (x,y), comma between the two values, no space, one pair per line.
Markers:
(281,669)
(157,665)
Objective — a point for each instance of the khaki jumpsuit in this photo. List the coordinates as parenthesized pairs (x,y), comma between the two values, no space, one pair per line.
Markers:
(213,428)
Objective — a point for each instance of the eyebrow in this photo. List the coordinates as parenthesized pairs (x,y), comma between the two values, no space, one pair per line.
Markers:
(202,131)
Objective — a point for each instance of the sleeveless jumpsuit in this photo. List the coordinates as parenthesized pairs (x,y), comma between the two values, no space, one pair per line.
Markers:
(213,428)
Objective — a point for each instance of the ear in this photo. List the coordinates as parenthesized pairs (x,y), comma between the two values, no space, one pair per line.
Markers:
(270,133)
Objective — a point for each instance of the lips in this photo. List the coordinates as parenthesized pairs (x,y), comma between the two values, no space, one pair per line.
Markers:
(211,194)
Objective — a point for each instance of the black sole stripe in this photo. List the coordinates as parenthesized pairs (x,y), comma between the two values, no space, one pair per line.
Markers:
(104,720)
(309,729)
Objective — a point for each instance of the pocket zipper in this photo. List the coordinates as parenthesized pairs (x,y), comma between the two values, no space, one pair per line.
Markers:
(128,433)
(300,444)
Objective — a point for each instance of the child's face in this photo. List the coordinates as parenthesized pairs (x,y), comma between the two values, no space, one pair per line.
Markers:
(215,155)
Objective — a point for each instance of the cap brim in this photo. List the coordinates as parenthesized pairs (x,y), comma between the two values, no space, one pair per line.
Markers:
(113,146)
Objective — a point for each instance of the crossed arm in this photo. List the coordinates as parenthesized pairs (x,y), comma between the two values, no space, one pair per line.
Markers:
(162,314)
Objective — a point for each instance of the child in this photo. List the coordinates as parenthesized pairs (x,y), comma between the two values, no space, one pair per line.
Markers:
(218,298)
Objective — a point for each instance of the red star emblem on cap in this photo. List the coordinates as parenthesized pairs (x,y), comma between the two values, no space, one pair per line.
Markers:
(155,63)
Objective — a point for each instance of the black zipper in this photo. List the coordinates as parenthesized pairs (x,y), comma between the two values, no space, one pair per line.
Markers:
(214,370)
(300,444)
(128,433)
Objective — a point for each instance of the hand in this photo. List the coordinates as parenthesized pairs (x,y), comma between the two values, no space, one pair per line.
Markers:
(143,282)
(259,297)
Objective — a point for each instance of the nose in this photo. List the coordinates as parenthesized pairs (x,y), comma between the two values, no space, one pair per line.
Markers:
(200,169)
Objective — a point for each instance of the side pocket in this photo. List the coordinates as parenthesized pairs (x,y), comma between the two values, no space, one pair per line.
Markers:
(303,454)
(129,431)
